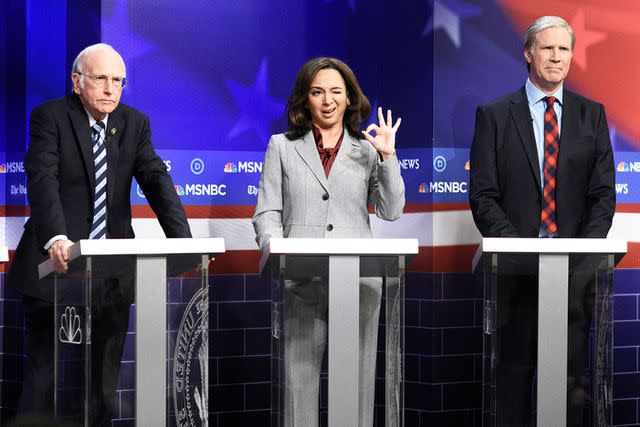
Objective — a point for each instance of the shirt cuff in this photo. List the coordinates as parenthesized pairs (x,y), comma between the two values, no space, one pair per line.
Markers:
(54,239)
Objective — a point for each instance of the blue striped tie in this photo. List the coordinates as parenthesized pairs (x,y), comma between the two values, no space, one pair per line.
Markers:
(99,225)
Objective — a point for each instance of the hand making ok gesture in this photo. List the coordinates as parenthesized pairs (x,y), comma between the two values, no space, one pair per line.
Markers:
(385,140)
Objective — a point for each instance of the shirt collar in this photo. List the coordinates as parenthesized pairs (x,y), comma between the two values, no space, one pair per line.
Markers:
(92,121)
(317,136)
(535,95)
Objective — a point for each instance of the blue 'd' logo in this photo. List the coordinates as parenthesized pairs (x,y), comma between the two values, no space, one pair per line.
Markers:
(197,166)
(439,163)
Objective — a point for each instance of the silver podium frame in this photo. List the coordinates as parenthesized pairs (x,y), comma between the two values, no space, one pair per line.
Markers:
(348,260)
(553,298)
(151,315)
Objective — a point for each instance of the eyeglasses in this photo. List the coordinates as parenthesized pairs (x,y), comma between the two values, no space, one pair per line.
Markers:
(101,80)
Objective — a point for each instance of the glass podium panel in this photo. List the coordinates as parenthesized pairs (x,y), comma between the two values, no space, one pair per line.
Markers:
(72,347)
(91,318)
(509,339)
(188,346)
(489,342)
(520,345)
(322,308)
(170,367)
(601,359)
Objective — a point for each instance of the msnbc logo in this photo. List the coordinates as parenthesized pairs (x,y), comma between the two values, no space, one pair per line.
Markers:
(623,167)
(467,166)
(230,168)
(12,167)
(179,190)
(424,188)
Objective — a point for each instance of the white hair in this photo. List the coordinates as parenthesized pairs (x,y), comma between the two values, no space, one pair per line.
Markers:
(78,63)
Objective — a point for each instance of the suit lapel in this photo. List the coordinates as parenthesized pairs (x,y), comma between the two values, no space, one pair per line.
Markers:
(115,126)
(306,148)
(569,130)
(80,123)
(522,118)
(349,145)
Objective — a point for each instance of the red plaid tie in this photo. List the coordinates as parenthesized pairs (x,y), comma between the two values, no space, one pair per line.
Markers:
(551,148)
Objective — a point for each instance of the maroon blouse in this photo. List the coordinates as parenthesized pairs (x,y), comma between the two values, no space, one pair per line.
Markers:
(327,155)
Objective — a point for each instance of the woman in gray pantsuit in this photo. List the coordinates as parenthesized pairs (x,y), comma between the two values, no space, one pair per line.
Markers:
(317,180)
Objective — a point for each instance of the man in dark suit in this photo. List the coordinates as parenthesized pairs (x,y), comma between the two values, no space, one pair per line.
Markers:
(541,166)
(84,151)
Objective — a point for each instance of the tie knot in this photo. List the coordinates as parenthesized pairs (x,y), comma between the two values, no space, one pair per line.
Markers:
(97,127)
(550,100)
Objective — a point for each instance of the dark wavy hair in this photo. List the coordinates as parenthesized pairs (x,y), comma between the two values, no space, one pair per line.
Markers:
(299,116)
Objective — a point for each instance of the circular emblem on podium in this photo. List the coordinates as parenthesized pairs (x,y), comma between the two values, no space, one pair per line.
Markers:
(190,364)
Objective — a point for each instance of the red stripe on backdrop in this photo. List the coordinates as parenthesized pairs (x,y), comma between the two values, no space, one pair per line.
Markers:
(242,211)
(632,258)
(439,259)
(628,207)
(246,211)
(236,262)
(431,207)
(457,259)
(4,266)
(443,259)
(11,210)
(201,211)
(429,259)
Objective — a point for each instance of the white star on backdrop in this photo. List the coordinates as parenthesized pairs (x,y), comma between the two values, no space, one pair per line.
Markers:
(447,15)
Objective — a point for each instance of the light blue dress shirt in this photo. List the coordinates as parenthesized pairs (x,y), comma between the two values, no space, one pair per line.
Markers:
(537,107)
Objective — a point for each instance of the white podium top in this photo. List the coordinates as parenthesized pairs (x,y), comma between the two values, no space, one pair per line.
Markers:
(138,247)
(505,245)
(320,246)
(4,254)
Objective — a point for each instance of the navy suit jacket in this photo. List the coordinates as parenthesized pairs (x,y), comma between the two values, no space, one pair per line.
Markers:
(505,185)
(60,182)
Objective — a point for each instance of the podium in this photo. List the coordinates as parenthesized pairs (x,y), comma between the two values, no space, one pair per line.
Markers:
(340,264)
(171,324)
(560,266)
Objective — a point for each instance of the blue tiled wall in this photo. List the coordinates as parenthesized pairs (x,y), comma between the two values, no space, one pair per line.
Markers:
(626,340)
(442,365)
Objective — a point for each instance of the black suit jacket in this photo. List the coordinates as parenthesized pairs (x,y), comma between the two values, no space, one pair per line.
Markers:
(60,182)
(505,188)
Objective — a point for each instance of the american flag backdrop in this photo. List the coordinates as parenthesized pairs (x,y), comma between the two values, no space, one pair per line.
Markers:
(214,78)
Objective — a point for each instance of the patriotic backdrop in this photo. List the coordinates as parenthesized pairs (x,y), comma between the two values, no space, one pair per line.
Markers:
(214,77)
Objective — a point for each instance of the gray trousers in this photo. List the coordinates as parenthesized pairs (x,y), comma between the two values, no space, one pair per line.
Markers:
(305,317)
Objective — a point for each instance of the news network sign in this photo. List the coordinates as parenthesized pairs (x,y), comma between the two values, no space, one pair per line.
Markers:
(448,178)
(13,179)
(211,177)
(440,175)
(627,177)
(233,177)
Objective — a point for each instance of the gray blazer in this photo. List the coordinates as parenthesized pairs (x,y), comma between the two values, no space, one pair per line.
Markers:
(295,198)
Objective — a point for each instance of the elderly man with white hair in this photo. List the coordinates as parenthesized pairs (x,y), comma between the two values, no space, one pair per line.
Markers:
(84,151)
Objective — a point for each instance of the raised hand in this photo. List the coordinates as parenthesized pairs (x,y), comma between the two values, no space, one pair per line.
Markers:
(385,139)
